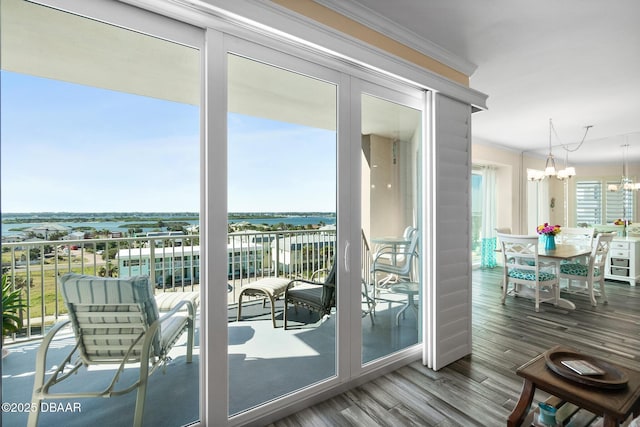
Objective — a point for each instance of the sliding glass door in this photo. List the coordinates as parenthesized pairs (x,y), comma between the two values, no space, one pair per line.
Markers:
(289,161)
(281,154)
(391,182)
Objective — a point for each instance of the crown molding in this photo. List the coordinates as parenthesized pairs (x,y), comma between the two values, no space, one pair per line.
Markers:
(248,18)
(389,28)
(242,17)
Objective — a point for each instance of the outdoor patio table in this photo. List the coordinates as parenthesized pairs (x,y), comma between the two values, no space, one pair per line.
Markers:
(410,289)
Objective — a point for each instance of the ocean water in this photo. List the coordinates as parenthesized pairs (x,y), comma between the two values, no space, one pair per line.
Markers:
(123,226)
(293,220)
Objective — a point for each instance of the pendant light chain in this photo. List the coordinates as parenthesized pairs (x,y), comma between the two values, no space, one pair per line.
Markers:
(550,165)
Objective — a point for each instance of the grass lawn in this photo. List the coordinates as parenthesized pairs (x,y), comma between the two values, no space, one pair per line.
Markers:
(43,286)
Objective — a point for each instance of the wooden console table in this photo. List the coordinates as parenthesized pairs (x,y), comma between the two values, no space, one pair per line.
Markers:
(614,406)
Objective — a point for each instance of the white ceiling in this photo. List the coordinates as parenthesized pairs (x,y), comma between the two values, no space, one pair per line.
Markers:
(48,43)
(574,61)
(45,42)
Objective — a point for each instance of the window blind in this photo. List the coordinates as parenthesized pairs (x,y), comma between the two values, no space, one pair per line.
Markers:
(588,202)
(596,205)
(619,204)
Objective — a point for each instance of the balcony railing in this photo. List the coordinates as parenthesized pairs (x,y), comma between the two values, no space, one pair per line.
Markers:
(172,263)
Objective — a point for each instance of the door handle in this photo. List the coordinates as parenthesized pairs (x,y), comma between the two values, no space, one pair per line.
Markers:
(346,256)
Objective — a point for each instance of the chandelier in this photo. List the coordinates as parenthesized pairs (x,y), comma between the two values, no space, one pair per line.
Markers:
(550,168)
(626,183)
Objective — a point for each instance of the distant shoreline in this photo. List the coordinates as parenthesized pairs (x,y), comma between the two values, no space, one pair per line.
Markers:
(43,217)
(17,224)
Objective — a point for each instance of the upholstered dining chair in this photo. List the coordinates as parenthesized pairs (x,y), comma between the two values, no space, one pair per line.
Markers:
(592,272)
(523,267)
(115,322)
(578,236)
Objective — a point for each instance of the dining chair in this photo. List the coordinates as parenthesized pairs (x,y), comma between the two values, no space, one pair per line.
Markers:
(579,236)
(504,230)
(523,267)
(592,272)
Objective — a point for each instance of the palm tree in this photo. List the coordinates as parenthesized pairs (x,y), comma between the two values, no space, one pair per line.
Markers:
(11,305)
(110,270)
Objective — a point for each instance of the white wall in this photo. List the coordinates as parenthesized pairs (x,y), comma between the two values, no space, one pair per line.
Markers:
(512,205)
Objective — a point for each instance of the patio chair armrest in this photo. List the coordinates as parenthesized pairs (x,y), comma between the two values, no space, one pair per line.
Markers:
(392,253)
(308,282)
(53,331)
(44,345)
(170,336)
(43,350)
(177,308)
(147,342)
(317,272)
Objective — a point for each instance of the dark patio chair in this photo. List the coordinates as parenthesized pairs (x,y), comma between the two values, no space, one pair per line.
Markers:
(313,295)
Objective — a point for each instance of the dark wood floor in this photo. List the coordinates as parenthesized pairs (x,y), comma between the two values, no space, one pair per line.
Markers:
(482,389)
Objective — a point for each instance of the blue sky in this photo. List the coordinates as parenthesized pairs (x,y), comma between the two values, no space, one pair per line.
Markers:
(284,166)
(66,147)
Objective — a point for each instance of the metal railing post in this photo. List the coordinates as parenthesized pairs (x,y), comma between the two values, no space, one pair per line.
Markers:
(152,261)
(44,273)
(276,267)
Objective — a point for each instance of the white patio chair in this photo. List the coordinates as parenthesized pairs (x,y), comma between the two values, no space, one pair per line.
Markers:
(382,250)
(593,271)
(115,321)
(523,267)
(402,268)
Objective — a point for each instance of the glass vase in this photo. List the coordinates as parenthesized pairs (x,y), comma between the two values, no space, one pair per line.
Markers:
(550,242)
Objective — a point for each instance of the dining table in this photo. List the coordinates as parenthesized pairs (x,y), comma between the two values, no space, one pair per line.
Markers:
(563,251)
(390,240)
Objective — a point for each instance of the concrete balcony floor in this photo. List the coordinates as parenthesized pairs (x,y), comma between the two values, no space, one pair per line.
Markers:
(261,362)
